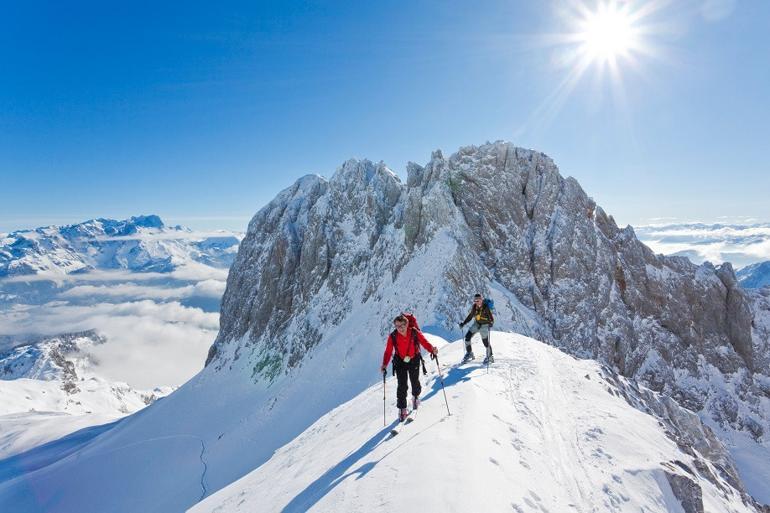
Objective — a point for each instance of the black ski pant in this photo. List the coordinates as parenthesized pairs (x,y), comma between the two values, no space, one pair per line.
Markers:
(412,370)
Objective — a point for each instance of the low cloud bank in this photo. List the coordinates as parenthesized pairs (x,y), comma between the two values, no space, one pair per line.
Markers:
(159,326)
(149,344)
(740,245)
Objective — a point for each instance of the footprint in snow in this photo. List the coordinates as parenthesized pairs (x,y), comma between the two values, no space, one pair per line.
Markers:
(535,505)
(494,461)
(615,499)
(593,433)
(599,453)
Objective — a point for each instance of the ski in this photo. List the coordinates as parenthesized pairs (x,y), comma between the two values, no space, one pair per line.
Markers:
(408,420)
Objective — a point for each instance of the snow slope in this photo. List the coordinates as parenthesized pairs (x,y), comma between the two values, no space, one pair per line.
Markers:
(214,430)
(49,389)
(538,431)
(755,276)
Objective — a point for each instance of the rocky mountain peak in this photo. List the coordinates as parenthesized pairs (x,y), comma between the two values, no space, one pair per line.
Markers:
(346,254)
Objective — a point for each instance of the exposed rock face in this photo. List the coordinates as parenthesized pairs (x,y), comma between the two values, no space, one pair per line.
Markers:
(687,492)
(500,220)
(709,459)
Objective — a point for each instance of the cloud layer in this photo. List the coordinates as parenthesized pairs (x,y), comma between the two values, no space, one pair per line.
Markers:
(740,245)
(149,344)
(205,288)
(158,326)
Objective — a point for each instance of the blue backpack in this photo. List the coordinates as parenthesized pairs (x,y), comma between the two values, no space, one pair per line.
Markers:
(489,303)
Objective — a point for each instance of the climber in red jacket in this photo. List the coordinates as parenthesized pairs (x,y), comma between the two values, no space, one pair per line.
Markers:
(406,340)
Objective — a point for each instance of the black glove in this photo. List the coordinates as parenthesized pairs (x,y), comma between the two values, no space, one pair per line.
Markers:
(461,325)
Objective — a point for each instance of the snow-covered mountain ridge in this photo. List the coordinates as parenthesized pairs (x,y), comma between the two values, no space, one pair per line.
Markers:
(326,265)
(537,431)
(141,243)
(339,256)
(755,276)
(50,358)
(500,220)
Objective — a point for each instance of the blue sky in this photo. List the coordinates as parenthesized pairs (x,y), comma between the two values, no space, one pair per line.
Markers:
(202,113)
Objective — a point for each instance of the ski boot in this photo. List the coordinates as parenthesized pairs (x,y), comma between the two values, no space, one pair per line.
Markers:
(402,414)
(489,357)
(468,357)
(415,402)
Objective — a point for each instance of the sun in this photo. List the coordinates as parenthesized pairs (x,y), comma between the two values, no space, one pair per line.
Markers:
(599,42)
(607,34)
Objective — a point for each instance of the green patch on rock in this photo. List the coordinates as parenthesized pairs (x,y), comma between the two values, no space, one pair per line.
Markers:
(268,367)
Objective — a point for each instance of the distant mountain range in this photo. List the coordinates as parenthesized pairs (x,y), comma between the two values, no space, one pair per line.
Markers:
(740,244)
(137,244)
(86,308)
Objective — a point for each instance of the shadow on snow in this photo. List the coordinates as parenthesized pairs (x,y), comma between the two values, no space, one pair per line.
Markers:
(452,377)
(51,452)
(316,490)
(319,488)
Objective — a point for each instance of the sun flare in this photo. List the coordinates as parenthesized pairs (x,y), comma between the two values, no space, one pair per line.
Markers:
(607,34)
(599,43)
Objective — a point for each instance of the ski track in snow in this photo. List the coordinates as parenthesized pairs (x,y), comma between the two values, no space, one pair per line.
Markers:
(540,432)
(205,469)
(204,490)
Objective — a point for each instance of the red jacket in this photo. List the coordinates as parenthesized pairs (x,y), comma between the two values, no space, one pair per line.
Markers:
(406,346)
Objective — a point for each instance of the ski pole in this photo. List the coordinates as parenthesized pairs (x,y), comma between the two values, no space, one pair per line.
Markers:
(440,377)
(384,373)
